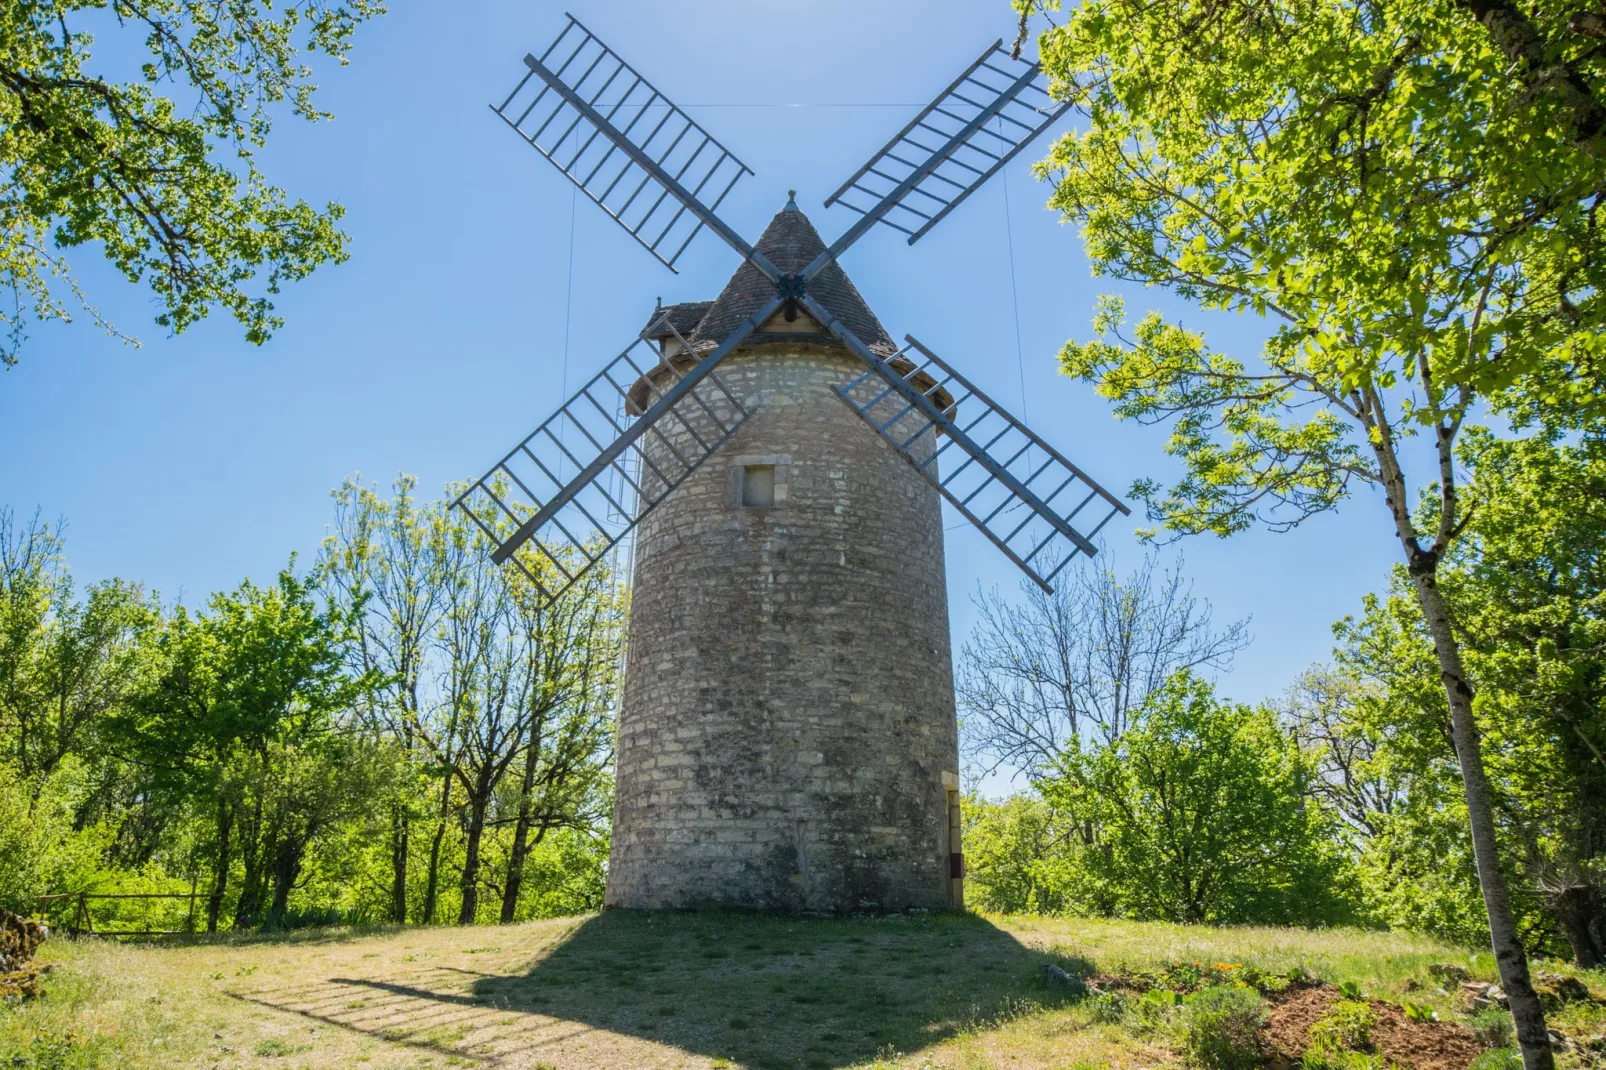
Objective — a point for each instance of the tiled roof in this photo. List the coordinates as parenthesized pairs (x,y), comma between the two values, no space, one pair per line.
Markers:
(683,317)
(790,242)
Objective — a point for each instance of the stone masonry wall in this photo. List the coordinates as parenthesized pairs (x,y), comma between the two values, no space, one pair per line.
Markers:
(788,714)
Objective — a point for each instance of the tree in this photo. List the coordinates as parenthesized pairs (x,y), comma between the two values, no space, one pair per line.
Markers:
(1202,816)
(168,188)
(479,681)
(1327,711)
(564,780)
(1528,586)
(1020,859)
(506,669)
(277,748)
(1385,770)
(65,662)
(1417,215)
(247,709)
(382,563)
(1035,677)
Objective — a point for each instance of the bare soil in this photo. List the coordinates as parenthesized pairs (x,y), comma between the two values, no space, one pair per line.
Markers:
(1413,1045)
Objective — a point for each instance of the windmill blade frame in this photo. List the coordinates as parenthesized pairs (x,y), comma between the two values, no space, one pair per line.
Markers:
(969,155)
(1007,484)
(675,151)
(678,159)
(526,493)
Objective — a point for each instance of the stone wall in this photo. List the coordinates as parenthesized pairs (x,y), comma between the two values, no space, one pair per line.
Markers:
(787,736)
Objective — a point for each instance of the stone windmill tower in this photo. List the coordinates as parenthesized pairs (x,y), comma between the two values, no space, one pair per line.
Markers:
(787,735)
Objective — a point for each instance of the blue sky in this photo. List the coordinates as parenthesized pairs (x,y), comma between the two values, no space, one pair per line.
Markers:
(198,460)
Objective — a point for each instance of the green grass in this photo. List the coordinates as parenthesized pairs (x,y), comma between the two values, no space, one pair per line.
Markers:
(683,990)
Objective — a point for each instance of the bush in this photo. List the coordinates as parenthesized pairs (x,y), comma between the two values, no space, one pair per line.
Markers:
(316,917)
(1223,1026)
(1151,1012)
(1347,1027)
(1169,850)
(1493,1027)
(46,1051)
(1106,1007)
(1017,858)
(1343,1039)
(41,849)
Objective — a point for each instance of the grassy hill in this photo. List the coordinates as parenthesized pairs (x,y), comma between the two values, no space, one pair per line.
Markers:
(628,990)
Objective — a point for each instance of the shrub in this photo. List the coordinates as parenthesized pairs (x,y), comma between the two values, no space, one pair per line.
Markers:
(1493,1027)
(1420,1012)
(1107,1007)
(41,848)
(1223,1026)
(1347,1027)
(46,1051)
(1151,1012)
(1169,850)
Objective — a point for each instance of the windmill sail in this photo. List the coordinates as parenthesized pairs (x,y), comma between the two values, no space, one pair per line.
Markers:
(561,499)
(572,489)
(986,116)
(1024,495)
(627,146)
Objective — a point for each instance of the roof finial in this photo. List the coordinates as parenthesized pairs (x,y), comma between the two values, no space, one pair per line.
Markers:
(791,201)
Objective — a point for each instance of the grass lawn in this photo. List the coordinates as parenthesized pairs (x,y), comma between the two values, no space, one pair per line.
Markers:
(625,990)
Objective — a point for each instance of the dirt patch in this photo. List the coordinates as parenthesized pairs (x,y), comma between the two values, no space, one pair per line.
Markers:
(1117,982)
(1413,1045)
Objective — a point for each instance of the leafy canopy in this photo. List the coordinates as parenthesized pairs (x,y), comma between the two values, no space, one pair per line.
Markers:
(1202,815)
(159,170)
(1418,220)
(1528,585)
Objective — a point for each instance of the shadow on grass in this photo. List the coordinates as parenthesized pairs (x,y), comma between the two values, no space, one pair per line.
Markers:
(760,991)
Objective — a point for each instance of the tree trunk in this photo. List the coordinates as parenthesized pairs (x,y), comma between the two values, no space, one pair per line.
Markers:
(1533,64)
(471,857)
(1423,567)
(1579,909)
(432,883)
(400,828)
(1510,957)
(249,907)
(521,829)
(522,845)
(286,868)
(220,877)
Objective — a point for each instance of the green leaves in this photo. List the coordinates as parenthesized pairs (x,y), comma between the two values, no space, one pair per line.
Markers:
(1527,582)
(1384,183)
(1200,815)
(173,196)
(1246,459)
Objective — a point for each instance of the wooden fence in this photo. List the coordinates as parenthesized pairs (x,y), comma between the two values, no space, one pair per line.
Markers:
(83,922)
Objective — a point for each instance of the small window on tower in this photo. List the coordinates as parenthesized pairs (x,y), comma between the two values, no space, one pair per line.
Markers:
(758,486)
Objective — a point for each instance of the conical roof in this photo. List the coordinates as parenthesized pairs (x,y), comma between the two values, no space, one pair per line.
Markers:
(791,243)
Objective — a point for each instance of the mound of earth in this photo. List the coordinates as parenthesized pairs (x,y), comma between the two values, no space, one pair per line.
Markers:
(19,939)
(1413,1045)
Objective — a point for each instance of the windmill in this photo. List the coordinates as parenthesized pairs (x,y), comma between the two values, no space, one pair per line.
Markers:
(787,729)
